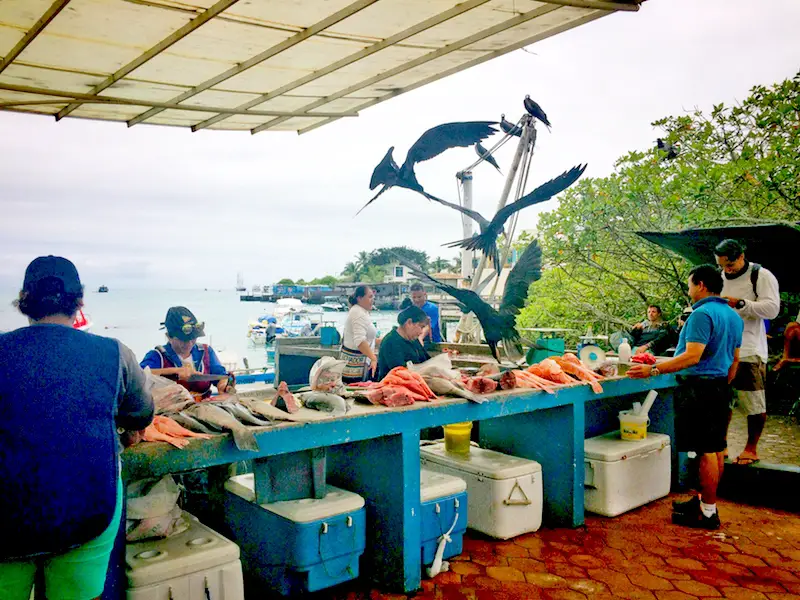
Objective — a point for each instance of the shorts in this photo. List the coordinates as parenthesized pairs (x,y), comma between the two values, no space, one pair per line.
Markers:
(749,384)
(701,414)
(78,574)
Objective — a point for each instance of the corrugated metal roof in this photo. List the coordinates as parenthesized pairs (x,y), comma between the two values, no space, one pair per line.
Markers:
(254,64)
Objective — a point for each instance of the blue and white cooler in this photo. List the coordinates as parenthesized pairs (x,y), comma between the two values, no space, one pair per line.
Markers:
(297,546)
(444,512)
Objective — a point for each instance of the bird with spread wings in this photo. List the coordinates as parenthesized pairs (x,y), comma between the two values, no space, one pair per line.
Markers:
(430,145)
(498,325)
(486,241)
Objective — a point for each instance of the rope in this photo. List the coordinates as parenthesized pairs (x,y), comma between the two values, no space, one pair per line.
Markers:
(438,564)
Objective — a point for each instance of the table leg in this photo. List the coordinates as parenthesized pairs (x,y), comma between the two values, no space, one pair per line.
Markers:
(385,471)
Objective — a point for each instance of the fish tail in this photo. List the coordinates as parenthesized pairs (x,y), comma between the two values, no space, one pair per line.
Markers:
(244,439)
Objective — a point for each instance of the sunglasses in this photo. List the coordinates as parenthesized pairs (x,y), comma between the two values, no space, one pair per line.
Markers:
(187,328)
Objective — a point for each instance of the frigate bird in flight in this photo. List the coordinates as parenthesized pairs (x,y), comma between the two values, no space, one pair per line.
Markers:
(536,111)
(430,144)
(498,325)
(486,241)
(484,154)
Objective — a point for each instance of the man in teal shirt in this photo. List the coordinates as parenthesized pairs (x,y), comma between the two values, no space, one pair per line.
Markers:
(706,359)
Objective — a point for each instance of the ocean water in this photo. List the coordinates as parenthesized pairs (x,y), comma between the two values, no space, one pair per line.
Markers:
(134,317)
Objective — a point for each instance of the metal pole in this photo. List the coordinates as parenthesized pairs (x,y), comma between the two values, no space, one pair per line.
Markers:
(512,173)
(467,224)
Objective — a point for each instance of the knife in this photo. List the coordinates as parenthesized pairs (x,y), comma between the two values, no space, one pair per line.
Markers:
(203,377)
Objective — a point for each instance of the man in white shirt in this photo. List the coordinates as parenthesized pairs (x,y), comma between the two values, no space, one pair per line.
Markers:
(753,292)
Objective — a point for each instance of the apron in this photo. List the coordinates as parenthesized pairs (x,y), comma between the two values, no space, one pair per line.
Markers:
(355,367)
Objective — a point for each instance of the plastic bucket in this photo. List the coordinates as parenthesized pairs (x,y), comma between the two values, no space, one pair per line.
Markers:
(456,437)
(632,427)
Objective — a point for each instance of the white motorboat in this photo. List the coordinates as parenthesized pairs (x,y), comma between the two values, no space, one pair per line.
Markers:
(333,304)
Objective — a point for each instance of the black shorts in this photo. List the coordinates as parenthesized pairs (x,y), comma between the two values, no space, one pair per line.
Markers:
(701,414)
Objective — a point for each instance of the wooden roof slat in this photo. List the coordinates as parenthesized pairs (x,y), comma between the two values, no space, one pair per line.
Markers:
(329,21)
(168,41)
(50,14)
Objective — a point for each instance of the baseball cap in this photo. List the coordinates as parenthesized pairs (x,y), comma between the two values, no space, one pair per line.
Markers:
(55,269)
(181,323)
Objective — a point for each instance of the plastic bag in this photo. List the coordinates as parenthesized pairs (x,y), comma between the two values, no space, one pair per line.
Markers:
(147,498)
(326,375)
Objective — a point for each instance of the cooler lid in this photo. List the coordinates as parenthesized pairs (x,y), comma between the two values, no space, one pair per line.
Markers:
(481,461)
(610,447)
(196,549)
(439,485)
(305,510)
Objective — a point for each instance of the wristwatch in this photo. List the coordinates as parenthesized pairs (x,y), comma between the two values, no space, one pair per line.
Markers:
(654,372)
(739,304)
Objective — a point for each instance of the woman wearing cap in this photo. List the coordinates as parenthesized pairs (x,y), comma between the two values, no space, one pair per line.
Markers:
(358,341)
(63,393)
(402,344)
(182,357)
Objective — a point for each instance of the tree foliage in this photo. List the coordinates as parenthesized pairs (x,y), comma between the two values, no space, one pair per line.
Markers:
(736,165)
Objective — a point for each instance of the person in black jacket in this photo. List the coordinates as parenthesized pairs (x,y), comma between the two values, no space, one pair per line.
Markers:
(652,335)
(63,395)
(402,344)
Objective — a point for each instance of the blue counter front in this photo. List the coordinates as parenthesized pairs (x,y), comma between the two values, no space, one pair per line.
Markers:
(374,451)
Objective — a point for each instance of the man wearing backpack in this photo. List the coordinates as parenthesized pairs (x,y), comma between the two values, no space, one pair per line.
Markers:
(753,292)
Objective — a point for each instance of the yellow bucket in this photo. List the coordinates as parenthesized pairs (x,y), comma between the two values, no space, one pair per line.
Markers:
(632,427)
(456,437)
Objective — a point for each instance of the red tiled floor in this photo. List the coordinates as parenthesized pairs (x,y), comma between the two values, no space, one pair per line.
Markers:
(638,555)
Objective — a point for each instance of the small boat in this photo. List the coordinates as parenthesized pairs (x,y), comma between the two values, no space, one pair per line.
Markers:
(257,331)
(102,289)
(333,304)
(82,322)
(240,283)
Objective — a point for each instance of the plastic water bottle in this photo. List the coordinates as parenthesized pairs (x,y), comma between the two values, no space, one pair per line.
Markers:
(624,353)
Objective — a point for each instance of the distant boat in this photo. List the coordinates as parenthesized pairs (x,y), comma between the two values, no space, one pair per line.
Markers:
(240,282)
(103,289)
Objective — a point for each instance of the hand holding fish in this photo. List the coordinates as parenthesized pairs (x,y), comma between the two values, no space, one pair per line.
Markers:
(185,371)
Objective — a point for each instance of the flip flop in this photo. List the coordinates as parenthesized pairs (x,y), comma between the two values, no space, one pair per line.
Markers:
(746,460)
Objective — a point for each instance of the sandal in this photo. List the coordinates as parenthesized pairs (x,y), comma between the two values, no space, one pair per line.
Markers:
(746,460)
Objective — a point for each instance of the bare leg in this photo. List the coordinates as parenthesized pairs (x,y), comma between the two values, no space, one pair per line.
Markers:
(709,476)
(755,427)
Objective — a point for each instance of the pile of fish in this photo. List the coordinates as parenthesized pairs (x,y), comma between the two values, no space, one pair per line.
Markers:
(400,387)
(552,373)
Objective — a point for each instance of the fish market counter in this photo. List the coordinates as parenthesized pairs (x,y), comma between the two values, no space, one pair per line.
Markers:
(375,452)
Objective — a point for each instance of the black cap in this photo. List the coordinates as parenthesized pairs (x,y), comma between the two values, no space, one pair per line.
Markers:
(182,324)
(52,269)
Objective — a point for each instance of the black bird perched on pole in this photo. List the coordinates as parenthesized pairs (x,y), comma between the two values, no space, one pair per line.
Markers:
(536,111)
(498,325)
(509,127)
(484,154)
(486,241)
(672,151)
(430,144)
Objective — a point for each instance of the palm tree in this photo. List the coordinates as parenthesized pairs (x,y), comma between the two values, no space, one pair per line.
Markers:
(455,267)
(363,261)
(439,265)
(351,271)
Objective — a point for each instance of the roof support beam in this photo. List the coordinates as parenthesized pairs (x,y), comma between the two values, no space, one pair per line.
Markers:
(356,56)
(488,56)
(476,37)
(43,22)
(329,21)
(171,39)
(70,97)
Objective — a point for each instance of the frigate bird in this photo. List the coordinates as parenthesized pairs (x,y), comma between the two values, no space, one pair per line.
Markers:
(536,111)
(509,127)
(671,150)
(484,154)
(430,144)
(498,325)
(486,241)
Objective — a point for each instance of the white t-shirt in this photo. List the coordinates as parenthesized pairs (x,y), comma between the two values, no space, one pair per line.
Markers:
(768,305)
(358,328)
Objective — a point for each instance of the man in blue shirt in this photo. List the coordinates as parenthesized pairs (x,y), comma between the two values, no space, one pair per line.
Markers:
(706,357)
(419,298)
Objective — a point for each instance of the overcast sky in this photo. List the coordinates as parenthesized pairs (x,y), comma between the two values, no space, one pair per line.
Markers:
(157,207)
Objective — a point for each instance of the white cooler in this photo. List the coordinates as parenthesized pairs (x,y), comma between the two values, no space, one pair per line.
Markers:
(198,563)
(620,474)
(504,493)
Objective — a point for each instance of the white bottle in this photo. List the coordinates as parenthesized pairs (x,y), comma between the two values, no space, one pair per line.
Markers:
(624,352)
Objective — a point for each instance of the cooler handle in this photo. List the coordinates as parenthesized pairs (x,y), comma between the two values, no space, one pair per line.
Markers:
(524,501)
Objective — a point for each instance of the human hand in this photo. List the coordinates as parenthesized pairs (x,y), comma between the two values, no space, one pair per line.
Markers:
(641,349)
(638,326)
(186,371)
(731,301)
(639,371)
(373,367)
